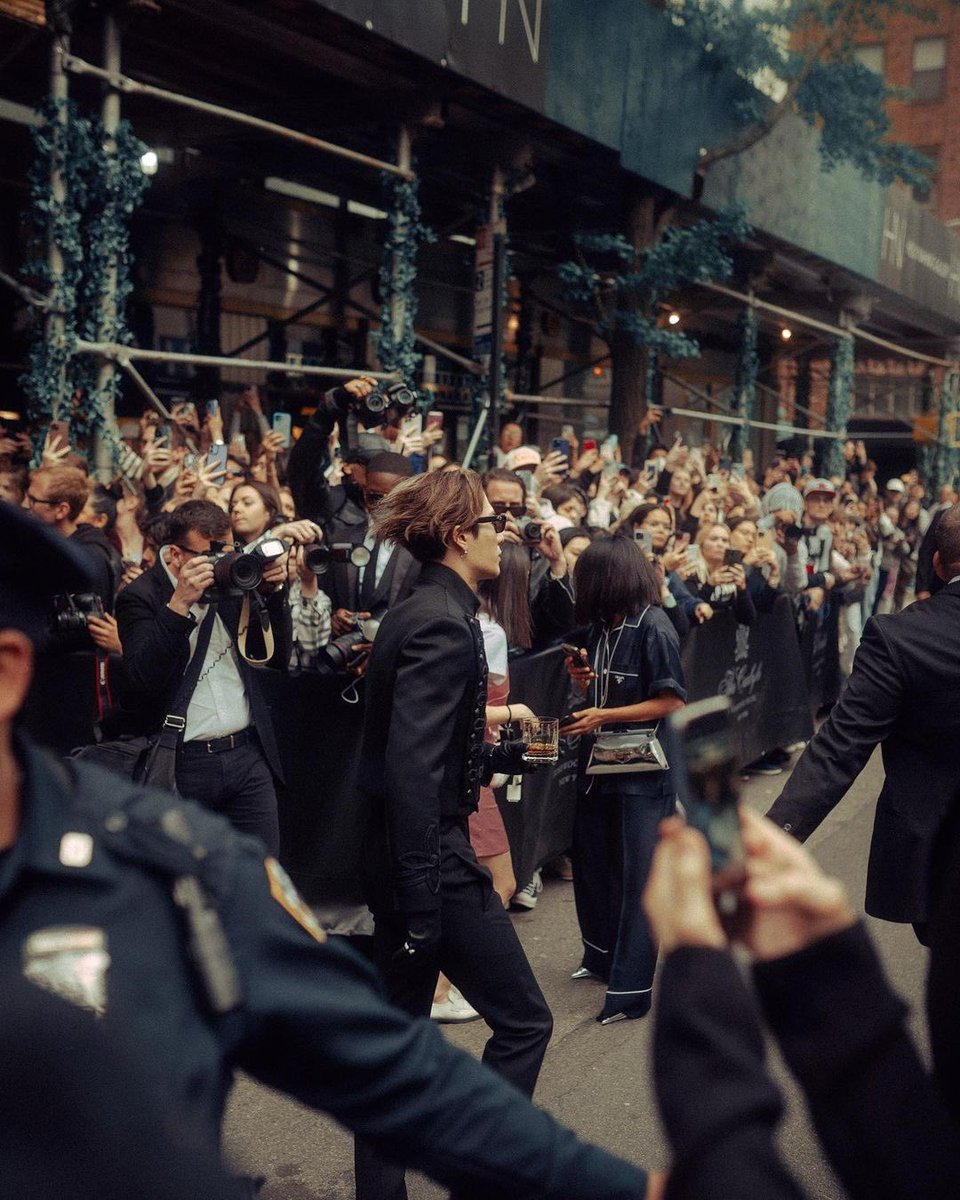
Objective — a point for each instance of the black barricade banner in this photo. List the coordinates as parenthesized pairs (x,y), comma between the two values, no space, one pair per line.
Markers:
(540,825)
(760,669)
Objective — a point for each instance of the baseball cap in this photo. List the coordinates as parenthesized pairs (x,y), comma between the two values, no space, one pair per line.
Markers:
(523,456)
(895,485)
(819,485)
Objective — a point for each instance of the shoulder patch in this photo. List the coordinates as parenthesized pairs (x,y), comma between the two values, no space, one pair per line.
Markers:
(290,900)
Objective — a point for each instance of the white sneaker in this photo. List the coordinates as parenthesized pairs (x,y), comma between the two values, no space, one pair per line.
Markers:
(453,1010)
(528,896)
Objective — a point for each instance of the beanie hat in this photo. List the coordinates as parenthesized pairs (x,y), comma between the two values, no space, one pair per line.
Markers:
(782,495)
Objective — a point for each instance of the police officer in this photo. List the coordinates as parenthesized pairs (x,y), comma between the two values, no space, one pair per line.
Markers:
(174,929)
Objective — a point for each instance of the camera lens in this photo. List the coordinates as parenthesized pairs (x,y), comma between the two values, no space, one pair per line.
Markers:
(316,559)
(240,571)
(376,402)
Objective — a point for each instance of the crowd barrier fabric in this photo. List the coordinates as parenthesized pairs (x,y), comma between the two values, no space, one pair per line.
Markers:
(760,667)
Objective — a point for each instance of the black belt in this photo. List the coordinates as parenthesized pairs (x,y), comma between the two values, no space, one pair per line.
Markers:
(220,744)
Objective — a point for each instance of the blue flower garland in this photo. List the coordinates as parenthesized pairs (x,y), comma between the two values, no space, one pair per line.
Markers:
(406,233)
(839,395)
(744,395)
(104,185)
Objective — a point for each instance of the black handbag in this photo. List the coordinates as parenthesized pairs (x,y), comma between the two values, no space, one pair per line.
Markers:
(152,759)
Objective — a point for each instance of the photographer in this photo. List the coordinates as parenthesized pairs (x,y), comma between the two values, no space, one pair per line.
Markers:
(227,758)
(57,496)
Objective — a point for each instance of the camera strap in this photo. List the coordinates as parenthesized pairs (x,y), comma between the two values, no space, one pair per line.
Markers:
(252,600)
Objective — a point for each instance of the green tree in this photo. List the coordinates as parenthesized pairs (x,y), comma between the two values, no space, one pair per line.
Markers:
(802,54)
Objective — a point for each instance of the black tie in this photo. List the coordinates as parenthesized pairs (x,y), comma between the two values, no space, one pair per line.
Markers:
(369,585)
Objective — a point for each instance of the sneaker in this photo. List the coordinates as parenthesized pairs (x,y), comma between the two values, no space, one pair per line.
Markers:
(795,746)
(561,867)
(528,896)
(453,1010)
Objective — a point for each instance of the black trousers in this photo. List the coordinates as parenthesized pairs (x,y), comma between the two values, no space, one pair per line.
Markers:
(236,783)
(481,954)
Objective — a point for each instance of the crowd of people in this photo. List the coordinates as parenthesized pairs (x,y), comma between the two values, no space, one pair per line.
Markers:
(370,558)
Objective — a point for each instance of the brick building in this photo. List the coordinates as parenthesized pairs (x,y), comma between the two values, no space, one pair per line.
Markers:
(924,57)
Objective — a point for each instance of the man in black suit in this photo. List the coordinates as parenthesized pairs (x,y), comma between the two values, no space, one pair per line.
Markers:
(228,755)
(423,763)
(904,694)
(370,588)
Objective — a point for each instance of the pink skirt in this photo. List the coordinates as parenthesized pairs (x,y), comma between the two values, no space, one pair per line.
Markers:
(488,836)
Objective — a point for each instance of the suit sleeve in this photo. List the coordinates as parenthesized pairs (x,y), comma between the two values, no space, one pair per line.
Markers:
(305,469)
(841,1030)
(156,643)
(315,1024)
(718,1104)
(433,663)
(865,713)
(925,572)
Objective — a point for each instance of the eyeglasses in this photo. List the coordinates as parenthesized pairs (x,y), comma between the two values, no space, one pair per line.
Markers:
(497,520)
(32,500)
(514,510)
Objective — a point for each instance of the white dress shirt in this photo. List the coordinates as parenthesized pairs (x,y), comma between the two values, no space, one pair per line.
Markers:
(383,557)
(219,704)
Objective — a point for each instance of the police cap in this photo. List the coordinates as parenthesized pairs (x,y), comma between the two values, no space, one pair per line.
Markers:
(36,564)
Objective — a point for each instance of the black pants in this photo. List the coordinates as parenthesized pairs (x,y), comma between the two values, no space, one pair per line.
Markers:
(480,952)
(237,784)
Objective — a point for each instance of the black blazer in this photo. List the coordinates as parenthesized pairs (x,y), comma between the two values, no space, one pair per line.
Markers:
(423,730)
(342,581)
(904,693)
(156,651)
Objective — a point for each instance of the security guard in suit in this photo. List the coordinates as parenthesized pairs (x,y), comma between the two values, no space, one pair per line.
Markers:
(173,928)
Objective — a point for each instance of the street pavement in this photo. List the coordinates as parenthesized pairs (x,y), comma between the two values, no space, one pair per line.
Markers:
(595,1079)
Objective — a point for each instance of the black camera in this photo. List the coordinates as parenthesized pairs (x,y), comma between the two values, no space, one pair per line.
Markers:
(70,613)
(338,655)
(531,531)
(318,558)
(373,408)
(235,572)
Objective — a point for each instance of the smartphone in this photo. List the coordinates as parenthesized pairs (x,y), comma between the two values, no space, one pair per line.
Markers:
(190,461)
(412,425)
(693,554)
(560,445)
(723,464)
(589,444)
(609,446)
(282,422)
(700,748)
(567,431)
(217,457)
(576,652)
(213,408)
(161,432)
(644,539)
(732,557)
(737,471)
(434,420)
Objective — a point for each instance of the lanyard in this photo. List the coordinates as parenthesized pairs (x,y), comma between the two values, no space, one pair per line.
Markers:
(604,661)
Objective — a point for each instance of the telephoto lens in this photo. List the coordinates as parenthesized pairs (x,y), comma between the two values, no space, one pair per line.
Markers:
(316,559)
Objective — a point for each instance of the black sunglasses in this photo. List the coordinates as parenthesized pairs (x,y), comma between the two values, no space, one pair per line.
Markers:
(497,520)
(513,510)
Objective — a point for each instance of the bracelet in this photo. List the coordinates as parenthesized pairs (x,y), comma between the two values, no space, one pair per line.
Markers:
(509,715)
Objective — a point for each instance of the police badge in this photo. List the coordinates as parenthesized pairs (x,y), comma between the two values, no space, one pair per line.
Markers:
(71,961)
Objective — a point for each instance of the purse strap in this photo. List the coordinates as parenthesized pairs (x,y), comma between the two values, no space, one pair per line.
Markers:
(175,722)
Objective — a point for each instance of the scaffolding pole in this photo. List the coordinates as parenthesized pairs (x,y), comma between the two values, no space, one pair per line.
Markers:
(126,354)
(123,83)
(106,373)
(56,321)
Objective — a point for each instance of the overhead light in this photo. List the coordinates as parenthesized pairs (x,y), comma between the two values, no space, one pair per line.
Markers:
(786,333)
(513,323)
(463,239)
(673,319)
(149,162)
(366,210)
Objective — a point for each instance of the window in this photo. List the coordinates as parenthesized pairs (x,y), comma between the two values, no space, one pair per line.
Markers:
(871,57)
(927,193)
(929,68)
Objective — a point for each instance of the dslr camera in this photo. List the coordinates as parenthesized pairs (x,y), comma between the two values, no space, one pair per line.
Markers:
(235,572)
(317,558)
(70,614)
(338,655)
(374,408)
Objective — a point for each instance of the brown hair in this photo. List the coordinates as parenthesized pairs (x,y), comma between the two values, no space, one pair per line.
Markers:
(507,598)
(421,513)
(267,493)
(947,538)
(202,516)
(66,485)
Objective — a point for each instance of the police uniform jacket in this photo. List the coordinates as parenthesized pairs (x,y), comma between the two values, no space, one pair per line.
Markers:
(93,913)
(156,652)
(903,693)
(423,736)
(633,661)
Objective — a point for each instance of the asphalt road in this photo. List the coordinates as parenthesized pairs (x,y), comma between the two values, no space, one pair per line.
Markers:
(596,1080)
